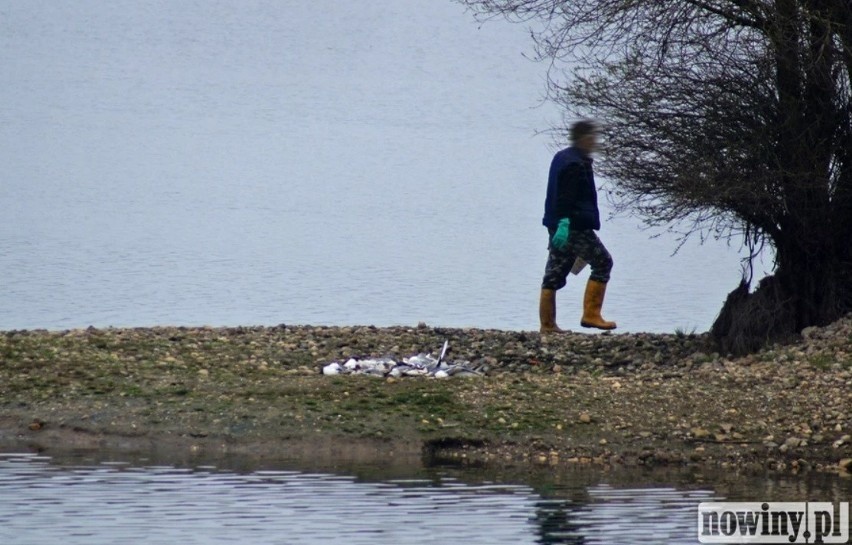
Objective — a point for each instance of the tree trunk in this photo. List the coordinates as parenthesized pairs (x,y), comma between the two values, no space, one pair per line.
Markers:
(811,285)
(809,288)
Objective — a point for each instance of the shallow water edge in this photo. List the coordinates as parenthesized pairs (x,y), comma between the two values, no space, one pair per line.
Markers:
(548,401)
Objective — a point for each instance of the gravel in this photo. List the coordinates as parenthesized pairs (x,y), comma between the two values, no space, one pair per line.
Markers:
(573,398)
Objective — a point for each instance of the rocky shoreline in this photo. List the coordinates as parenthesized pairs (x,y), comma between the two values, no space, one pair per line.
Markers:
(554,400)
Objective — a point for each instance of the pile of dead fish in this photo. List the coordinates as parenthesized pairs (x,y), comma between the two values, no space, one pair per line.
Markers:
(421,365)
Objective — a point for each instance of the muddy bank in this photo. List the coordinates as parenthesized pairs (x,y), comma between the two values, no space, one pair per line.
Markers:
(610,400)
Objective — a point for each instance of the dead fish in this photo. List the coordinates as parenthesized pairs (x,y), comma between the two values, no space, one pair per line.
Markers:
(332,369)
(422,364)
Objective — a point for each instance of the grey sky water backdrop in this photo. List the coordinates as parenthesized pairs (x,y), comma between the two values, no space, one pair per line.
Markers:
(199,162)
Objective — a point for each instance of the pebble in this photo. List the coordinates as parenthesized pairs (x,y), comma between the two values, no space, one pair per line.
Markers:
(700,433)
(817,370)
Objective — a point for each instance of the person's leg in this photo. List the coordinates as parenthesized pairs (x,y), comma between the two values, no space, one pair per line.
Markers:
(588,247)
(559,263)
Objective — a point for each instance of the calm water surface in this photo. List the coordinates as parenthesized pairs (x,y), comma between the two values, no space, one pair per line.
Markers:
(42,501)
(218,162)
(260,162)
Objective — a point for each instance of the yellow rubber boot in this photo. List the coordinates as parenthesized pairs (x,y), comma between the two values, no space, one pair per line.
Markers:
(592,303)
(547,312)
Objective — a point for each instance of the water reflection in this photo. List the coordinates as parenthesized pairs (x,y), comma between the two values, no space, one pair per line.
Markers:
(113,502)
(556,524)
(620,515)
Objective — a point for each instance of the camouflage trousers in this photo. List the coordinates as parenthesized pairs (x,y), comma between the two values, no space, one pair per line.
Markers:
(584,244)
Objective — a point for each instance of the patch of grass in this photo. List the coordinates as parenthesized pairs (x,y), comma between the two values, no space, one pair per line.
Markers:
(823,362)
(439,403)
(293,359)
(682,332)
(134,391)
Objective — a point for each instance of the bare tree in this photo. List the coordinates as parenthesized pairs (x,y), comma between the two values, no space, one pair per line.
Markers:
(725,118)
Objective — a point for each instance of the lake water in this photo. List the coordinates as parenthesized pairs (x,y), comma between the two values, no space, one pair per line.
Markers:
(85,501)
(201,162)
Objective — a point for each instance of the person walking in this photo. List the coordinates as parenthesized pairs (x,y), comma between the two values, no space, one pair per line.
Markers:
(571,216)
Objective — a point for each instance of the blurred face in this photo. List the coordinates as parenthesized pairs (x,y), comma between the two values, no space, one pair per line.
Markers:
(588,143)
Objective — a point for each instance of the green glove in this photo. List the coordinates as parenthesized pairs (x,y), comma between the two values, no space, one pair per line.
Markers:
(560,237)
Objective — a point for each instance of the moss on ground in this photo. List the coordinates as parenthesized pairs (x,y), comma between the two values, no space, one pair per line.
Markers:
(610,399)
